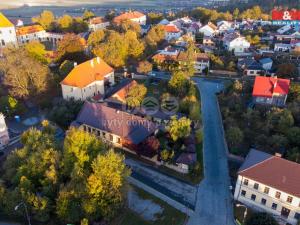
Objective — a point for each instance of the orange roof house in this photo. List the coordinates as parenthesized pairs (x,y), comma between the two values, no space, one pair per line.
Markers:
(87,73)
(121,94)
(270,90)
(171,28)
(132,15)
(29,30)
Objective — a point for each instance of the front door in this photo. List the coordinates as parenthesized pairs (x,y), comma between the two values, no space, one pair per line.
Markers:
(285,212)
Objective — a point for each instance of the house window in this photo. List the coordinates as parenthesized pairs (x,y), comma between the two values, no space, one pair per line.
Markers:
(111,138)
(119,140)
(278,194)
(243,193)
(266,191)
(289,199)
(71,90)
(89,130)
(246,181)
(263,201)
(256,186)
(98,133)
(253,197)
(274,206)
(2,42)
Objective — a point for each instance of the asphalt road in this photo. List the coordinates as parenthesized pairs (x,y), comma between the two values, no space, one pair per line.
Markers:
(214,199)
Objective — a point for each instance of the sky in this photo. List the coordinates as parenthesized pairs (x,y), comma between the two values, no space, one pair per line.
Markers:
(16,3)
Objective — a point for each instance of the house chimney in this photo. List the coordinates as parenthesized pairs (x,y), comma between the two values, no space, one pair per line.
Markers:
(92,63)
(75,64)
(278,155)
(98,60)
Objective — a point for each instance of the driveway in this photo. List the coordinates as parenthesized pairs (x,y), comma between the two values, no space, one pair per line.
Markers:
(214,199)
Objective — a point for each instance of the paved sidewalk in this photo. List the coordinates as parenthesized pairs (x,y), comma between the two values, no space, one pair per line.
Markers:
(178,190)
(161,196)
(214,199)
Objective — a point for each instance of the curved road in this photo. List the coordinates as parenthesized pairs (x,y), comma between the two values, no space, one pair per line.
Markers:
(214,199)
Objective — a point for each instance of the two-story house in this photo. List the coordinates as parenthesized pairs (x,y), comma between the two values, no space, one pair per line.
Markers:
(235,42)
(7,32)
(87,80)
(209,29)
(133,16)
(172,32)
(31,33)
(270,90)
(113,125)
(270,184)
(4,136)
(98,23)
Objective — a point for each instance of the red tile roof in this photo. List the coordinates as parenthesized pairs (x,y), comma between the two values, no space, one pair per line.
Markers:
(87,72)
(128,16)
(97,20)
(29,29)
(123,92)
(267,86)
(276,172)
(170,28)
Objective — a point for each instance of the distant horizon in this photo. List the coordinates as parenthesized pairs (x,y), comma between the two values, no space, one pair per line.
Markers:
(64,3)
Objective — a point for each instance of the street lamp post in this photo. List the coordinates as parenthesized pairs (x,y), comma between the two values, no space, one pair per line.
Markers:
(26,211)
(245,213)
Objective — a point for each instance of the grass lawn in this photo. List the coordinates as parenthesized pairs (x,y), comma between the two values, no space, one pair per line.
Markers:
(170,215)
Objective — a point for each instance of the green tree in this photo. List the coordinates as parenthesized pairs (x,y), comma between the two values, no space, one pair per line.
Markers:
(46,19)
(144,67)
(286,70)
(70,48)
(293,135)
(65,22)
(66,67)
(178,84)
(261,219)
(37,51)
(179,128)
(236,13)
(294,92)
(237,86)
(128,25)
(294,154)
(80,153)
(96,38)
(135,47)
(87,15)
(24,76)
(154,18)
(114,50)
(155,37)
(286,121)
(234,136)
(106,183)
(136,95)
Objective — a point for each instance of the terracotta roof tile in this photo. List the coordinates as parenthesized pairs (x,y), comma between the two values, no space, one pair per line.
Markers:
(128,16)
(267,86)
(276,172)
(128,126)
(87,72)
(29,29)
(170,28)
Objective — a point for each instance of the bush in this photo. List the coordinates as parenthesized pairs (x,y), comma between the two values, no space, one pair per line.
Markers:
(65,112)
(261,219)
